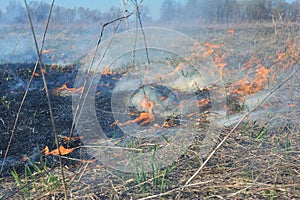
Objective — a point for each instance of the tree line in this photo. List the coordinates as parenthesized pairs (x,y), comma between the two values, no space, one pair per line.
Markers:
(202,11)
(15,13)
(229,11)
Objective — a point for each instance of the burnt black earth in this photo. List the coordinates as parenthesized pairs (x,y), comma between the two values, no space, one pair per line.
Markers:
(34,129)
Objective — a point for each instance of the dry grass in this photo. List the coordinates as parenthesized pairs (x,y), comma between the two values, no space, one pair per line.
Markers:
(243,168)
(249,164)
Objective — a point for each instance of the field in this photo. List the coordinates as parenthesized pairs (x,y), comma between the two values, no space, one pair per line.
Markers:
(245,133)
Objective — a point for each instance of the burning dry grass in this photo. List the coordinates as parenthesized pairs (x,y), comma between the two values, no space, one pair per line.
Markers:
(259,160)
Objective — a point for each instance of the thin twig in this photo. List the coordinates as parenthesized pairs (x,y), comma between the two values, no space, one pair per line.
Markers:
(138,16)
(82,98)
(39,52)
(142,29)
(27,88)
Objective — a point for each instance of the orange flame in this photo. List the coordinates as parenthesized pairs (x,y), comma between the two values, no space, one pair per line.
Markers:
(145,117)
(68,139)
(66,88)
(107,71)
(55,152)
(289,57)
(36,74)
(292,105)
(212,46)
(230,31)
(208,52)
(45,51)
(53,66)
(220,63)
(179,67)
(244,86)
(44,71)
(204,102)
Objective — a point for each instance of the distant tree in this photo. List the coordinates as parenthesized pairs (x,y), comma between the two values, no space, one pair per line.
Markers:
(15,13)
(218,11)
(230,11)
(39,10)
(112,13)
(261,10)
(58,14)
(69,15)
(294,9)
(216,8)
(194,10)
(95,16)
(279,8)
(83,14)
(144,12)
(168,11)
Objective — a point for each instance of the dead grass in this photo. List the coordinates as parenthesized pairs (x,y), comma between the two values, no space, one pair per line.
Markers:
(244,167)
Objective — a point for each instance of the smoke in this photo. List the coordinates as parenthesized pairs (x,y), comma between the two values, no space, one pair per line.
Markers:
(71,35)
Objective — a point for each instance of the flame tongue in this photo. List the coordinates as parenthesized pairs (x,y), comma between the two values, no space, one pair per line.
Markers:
(147,105)
(146,116)
(66,89)
(244,86)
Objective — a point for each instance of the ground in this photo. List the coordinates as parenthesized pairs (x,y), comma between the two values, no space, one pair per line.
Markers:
(259,159)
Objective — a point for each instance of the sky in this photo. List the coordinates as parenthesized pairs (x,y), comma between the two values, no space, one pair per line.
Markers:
(102,5)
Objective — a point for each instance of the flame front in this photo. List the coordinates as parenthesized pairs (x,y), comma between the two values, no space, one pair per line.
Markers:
(245,86)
